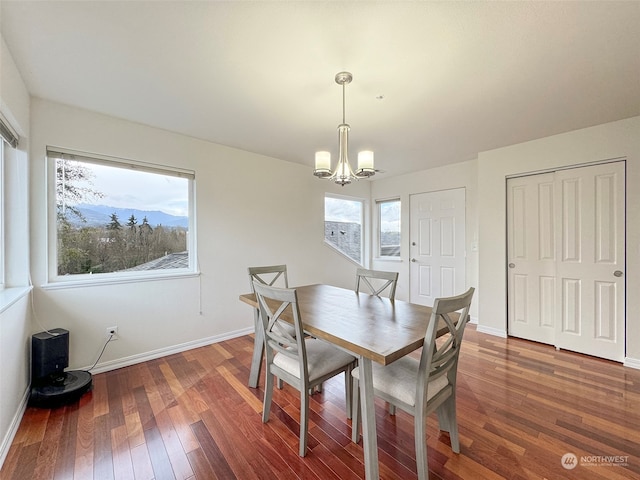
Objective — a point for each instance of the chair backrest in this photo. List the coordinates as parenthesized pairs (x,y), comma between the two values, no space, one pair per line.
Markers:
(274,303)
(442,359)
(269,275)
(377,281)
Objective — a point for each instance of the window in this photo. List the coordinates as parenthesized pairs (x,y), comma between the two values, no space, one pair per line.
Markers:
(389,228)
(8,144)
(119,218)
(343,225)
(2,215)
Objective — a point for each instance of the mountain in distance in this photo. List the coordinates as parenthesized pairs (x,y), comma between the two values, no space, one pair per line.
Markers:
(100,215)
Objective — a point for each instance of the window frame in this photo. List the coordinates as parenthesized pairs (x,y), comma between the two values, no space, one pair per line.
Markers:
(363,205)
(379,204)
(3,243)
(60,281)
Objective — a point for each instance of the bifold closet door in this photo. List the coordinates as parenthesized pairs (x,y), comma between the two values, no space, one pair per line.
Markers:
(532,303)
(566,259)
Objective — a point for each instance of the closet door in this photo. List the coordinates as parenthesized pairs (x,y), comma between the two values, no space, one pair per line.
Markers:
(591,260)
(532,304)
(566,259)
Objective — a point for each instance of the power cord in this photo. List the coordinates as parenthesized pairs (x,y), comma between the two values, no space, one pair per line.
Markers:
(100,356)
(37,320)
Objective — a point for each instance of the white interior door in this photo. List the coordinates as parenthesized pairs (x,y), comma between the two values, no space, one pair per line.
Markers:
(437,245)
(566,259)
(532,304)
(591,260)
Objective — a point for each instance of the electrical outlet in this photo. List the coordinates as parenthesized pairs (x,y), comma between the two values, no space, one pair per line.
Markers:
(112,331)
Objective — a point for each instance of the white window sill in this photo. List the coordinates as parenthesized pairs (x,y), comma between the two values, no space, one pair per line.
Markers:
(95,280)
(9,296)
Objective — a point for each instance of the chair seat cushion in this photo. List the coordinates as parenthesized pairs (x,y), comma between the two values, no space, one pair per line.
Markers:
(399,380)
(322,358)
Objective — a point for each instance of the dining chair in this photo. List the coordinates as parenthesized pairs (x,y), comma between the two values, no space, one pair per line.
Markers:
(377,281)
(301,361)
(420,387)
(273,275)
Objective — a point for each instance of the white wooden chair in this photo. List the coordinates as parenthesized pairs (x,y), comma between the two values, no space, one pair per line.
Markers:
(274,275)
(420,387)
(377,282)
(301,361)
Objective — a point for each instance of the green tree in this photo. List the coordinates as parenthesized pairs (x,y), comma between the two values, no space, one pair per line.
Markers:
(114,224)
(113,258)
(145,232)
(132,243)
(73,186)
(132,222)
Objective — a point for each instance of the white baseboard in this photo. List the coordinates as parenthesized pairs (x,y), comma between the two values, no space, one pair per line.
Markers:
(13,427)
(496,332)
(632,362)
(473,320)
(163,352)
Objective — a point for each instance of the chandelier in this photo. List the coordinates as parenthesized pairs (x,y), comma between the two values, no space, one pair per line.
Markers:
(344,174)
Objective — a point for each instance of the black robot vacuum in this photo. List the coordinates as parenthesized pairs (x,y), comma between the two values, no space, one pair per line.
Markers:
(51,386)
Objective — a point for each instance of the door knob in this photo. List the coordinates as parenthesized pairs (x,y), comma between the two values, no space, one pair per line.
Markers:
(617,273)
(512,265)
(413,260)
(413,243)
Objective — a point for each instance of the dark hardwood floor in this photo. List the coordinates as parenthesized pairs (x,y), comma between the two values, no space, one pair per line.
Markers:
(521,408)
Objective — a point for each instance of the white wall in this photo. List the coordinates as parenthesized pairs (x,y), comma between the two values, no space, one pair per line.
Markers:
(14,97)
(14,299)
(612,140)
(459,175)
(251,210)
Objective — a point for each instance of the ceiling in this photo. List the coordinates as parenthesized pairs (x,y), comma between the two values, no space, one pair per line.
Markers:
(433,82)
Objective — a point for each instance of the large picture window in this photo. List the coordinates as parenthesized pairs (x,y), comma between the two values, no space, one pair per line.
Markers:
(119,218)
(343,225)
(389,228)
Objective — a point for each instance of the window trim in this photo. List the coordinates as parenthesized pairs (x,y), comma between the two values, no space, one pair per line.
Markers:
(3,240)
(111,161)
(363,204)
(7,133)
(379,230)
(61,281)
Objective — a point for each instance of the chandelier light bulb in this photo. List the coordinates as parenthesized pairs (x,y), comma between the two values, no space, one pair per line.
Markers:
(323,164)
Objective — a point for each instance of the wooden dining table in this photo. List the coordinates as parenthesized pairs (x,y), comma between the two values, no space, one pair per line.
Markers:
(374,329)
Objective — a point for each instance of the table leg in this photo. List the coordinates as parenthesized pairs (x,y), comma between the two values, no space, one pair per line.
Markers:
(258,352)
(369,439)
